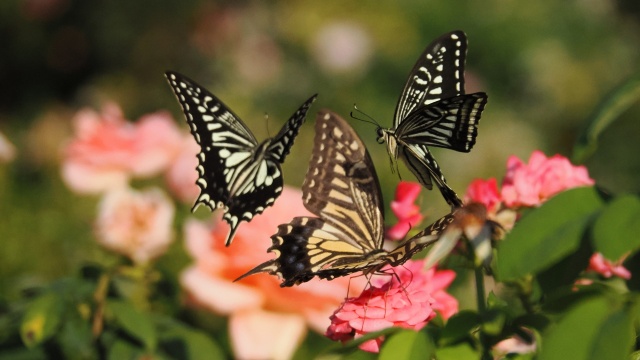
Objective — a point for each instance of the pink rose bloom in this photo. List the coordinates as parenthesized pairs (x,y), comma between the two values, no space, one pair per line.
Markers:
(265,320)
(513,345)
(7,150)
(606,268)
(532,184)
(107,149)
(410,304)
(485,192)
(182,174)
(137,224)
(405,209)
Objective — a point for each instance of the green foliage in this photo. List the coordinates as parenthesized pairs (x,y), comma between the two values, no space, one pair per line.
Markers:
(608,111)
(407,345)
(547,234)
(544,73)
(616,230)
(42,319)
(593,329)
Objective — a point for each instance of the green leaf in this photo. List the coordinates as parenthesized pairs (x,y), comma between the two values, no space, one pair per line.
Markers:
(134,322)
(493,301)
(564,273)
(182,342)
(407,344)
(616,229)
(42,319)
(461,351)
(76,339)
(615,337)
(616,102)
(547,234)
(459,327)
(493,322)
(124,350)
(586,326)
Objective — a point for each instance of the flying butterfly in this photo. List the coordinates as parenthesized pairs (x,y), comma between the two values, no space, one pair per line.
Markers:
(236,172)
(341,188)
(434,111)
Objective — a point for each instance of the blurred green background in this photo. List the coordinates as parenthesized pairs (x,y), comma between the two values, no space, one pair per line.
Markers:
(545,65)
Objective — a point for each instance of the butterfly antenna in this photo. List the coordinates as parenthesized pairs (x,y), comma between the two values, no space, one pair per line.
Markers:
(368,119)
(266,119)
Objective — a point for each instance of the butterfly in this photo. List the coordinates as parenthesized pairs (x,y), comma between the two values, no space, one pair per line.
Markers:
(236,172)
(341,188)
(434,111)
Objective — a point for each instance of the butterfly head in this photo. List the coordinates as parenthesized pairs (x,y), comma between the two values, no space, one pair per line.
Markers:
(383,135)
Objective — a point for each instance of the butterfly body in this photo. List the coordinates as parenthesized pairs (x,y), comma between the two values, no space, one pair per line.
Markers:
(434,111)
(235,172)
(341,188)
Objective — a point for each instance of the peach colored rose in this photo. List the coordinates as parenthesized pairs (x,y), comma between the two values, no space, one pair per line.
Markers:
(409,304)
(7,150)
(405,209)
(532,184)
(182,174)
(137,224)
(209,282)
(107,149)
(485,192)
(607,268)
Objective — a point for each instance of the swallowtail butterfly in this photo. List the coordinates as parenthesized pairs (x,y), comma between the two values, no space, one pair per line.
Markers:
(434,111)
(236,172)
(341,188)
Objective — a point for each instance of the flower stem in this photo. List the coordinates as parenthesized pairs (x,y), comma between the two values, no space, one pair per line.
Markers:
(480,295)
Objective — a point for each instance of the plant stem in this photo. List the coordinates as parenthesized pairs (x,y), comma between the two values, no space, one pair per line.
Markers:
(480,295)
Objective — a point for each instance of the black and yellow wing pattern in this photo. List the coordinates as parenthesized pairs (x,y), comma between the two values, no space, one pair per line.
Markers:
(341,188)
(236,173)
(433,110)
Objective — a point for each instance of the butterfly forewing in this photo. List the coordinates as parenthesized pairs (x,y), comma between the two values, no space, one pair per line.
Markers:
(235,172)
(282,142)
(341,185)
(438,74)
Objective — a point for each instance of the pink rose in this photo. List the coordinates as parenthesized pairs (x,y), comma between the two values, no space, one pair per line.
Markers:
(514,345)
(405,209)
(7,150)
(107,150)
(182,174)
(485,192)
(532,184)
(410,304)
(135,224)
(606,268)
(257,302)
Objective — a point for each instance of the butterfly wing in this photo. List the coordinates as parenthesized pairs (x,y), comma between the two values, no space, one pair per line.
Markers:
(223,138)
(438,74)
(262,183)
(409,247)
(341,187)
(281,143)
(235,173)
(450,123)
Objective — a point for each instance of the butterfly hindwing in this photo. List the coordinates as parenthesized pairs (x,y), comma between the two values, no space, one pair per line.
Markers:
(451,123)
(235,172)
